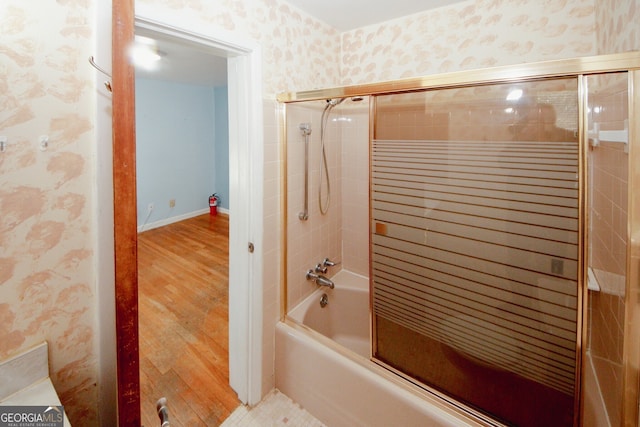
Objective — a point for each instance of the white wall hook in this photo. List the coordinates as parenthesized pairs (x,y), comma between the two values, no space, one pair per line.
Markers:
(44,142)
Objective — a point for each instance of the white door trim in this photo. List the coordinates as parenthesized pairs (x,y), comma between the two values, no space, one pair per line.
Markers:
(246,159)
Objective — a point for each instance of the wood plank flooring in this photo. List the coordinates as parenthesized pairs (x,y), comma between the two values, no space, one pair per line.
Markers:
(183,285)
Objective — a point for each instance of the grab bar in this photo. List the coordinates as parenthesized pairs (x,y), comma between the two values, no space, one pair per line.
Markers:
(305,128)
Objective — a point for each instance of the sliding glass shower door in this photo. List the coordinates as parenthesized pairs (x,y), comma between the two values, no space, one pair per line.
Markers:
(475,245)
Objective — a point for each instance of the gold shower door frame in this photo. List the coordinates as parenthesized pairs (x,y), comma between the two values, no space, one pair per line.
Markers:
(579,68)
(631,352)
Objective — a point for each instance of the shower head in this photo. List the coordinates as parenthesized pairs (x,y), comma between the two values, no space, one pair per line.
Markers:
(337,101)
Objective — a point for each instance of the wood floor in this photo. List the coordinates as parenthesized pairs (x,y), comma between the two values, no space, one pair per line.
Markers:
(183,302)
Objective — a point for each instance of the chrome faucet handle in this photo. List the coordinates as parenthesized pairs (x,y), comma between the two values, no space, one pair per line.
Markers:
(328,263)
(311,275)
(320,269)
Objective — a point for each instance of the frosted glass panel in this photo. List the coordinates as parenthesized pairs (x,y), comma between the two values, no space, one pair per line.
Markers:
(475,245)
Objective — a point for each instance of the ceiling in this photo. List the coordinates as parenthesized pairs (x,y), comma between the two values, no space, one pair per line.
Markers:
(186,63)
(346,15)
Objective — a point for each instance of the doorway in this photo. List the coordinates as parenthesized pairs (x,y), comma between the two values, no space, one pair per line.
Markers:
(183,252)
(183,321)
(246,172)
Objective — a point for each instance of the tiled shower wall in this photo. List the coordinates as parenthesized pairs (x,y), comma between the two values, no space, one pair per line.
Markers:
(343,234)
(609,108)
(616,31)
(608,241)
(271,237)
(319,237)
(355,187)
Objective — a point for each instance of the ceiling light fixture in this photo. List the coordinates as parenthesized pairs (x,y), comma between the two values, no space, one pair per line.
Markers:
(144,53)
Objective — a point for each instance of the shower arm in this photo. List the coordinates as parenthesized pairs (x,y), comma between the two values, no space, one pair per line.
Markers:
(305,129)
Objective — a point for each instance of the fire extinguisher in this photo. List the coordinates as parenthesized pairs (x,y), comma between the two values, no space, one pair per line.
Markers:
(213,204)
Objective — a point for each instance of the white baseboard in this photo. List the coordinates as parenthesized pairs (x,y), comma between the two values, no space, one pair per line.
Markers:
(178,218)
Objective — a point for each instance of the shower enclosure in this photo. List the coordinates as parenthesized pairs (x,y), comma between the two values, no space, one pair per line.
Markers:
(490,213)
(476,242)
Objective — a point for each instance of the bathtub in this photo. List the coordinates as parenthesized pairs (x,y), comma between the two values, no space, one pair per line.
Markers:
(345,317)
(322,363)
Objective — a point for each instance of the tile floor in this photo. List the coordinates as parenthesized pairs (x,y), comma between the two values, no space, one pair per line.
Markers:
(276,409)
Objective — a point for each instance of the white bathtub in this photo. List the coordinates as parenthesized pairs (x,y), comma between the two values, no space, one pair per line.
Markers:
(328,371)
(345,319)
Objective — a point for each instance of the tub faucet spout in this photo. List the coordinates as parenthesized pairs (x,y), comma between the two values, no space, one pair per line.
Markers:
(319,279)
(323,281)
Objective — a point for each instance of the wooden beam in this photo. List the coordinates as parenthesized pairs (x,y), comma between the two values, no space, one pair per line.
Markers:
(125,227)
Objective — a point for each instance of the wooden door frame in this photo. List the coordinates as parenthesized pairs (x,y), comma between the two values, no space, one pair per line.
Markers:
(246,159)
(124,214)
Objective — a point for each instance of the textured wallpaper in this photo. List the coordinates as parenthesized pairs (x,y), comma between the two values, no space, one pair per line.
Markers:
(469,35)
(46,230)
(299,52)
(617,25)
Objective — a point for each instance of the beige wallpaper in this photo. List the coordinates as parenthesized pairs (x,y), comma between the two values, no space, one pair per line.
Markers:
(46,231)
(299,52)
(617,28)
(469,35)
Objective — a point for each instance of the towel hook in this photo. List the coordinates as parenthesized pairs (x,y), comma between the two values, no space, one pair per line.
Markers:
(107,84)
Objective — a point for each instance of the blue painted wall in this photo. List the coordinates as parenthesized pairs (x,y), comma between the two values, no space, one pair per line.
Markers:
(221,99)
(176,144)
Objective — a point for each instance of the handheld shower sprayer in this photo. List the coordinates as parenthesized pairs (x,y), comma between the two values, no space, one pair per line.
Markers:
(324,168)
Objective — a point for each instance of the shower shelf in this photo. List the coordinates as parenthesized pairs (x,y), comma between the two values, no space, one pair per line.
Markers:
(592,282)
(596,135)
(606,282)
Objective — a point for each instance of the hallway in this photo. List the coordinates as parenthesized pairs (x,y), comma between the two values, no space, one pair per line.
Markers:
(183,298)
